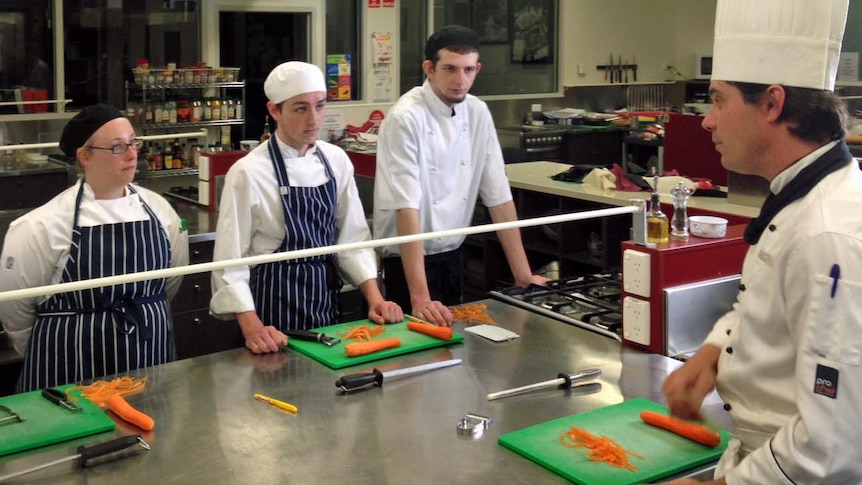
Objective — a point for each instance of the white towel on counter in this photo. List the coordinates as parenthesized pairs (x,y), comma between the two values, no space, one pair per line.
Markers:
(601,178)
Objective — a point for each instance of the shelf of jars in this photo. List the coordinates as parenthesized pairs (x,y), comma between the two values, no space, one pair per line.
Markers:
(171,172)
(237,84)
(168,125)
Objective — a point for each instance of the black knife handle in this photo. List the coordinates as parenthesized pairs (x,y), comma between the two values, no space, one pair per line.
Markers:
(354,381)
(304,335)
(121,443)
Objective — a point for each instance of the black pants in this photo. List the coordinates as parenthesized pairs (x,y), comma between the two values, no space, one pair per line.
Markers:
(443,272)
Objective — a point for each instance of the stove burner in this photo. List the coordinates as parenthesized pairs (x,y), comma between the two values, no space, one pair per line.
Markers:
(591,301)
(604,291)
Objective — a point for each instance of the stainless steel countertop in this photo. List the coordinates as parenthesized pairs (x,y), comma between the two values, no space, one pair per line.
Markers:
(209,428)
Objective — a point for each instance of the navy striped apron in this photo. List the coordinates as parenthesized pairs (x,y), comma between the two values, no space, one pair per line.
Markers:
(300,293)
(86,334)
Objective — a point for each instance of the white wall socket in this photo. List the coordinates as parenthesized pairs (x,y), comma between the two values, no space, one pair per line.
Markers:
(636,319)
(636,272)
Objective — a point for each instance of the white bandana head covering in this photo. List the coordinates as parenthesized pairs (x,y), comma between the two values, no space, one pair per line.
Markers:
(291,79)
(789,42)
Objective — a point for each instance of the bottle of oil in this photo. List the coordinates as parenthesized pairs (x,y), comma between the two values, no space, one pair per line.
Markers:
(266,133)
(657,223)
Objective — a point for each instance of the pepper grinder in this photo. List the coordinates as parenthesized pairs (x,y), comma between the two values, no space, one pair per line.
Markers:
(679,222)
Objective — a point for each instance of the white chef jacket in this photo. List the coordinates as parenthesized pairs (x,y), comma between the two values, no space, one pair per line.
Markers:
(251,219)
(37,244)
(786,331)
(437,162)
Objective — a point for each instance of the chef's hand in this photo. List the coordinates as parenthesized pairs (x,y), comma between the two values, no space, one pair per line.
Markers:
(385,312)
(686,387)
(434,312)
(260,338)
(534,279)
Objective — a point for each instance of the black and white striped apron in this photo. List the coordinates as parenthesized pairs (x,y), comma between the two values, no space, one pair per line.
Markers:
(300,293)
(91,333)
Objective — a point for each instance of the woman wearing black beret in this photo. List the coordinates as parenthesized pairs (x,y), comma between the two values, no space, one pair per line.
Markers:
(101,226)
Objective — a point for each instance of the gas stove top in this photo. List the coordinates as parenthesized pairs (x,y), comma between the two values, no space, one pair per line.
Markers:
(592,302)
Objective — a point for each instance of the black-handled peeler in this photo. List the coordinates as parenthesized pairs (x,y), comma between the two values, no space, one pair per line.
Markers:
(59,398)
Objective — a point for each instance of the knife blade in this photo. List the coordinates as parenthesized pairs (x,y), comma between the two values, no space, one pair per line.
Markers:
(611,67)
(563,381)
(620,68)
(312,337)
(354,381)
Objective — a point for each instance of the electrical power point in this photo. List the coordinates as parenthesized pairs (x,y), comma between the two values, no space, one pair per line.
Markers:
(636,272)
(665,67)
(636,320)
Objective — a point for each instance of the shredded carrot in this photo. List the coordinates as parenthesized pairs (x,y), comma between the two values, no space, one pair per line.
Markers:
(363,333)
(475,313)
(601,449)
(100,391)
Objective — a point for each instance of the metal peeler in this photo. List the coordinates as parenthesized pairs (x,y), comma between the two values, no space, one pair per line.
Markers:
(12,416)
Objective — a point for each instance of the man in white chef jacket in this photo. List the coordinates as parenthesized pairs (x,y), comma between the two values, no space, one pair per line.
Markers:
(437,152)
(290,193)
(786,360)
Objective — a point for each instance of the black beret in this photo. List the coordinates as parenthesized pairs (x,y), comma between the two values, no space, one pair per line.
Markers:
(448,36)
(82,126)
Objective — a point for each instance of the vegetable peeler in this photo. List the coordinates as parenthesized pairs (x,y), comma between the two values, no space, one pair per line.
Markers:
(59,398)
(313,337)
(12,416)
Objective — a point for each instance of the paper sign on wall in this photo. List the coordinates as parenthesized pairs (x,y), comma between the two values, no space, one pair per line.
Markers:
(848,66)
(381,47)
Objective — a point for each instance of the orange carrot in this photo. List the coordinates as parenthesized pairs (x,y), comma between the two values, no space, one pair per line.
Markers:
(443,333)
(695,432)
(123,409)
(361,348)
(601,449)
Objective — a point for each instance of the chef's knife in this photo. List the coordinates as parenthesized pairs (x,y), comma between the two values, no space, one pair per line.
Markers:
(355,381)
(312,337)
(563,381)
(620,68)
(611,67)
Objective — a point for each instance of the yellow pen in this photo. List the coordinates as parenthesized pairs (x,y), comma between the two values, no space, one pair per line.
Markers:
(279,404)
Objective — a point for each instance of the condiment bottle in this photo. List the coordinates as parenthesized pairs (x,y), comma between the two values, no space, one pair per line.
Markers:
(266,133)
(679,222)
(657,224)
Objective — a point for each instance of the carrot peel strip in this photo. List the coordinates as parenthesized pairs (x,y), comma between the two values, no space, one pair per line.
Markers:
(601,449)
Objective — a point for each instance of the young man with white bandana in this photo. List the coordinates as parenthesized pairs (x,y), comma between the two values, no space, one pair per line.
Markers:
(292,192)
(786,360)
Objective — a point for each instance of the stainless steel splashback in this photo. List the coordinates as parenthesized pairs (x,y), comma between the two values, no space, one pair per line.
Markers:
(692,309)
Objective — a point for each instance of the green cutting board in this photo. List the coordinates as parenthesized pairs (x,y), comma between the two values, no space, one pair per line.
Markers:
(664,453)
(46,423)
(335,358)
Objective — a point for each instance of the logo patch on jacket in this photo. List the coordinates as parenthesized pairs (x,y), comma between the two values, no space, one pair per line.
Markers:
(826,381)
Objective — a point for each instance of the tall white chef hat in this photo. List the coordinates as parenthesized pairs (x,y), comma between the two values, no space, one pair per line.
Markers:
(291,79)
(790,42)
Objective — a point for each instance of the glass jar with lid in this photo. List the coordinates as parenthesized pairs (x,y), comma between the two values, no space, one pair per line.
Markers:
(207,110)
(183,111)
(215,106)
(197,112)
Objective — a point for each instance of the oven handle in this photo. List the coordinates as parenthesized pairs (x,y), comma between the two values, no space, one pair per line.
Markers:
(543,149)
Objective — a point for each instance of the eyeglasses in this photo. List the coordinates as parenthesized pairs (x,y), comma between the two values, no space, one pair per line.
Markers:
(121,148)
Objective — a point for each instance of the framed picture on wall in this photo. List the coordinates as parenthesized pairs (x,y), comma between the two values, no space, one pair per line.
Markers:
(490,21)
(532,30)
